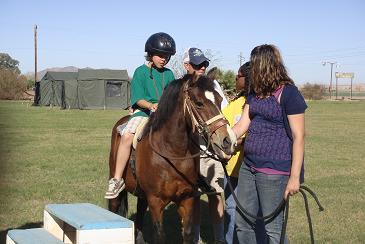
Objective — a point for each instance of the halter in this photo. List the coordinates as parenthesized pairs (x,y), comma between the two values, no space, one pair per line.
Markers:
(205,128)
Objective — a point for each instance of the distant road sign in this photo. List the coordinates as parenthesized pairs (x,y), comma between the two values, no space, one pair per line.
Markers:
(344,75)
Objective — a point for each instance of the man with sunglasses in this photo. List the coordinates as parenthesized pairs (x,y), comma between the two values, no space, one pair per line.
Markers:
(195,61)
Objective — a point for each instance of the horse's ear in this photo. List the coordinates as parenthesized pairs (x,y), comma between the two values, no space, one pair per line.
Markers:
(213,73)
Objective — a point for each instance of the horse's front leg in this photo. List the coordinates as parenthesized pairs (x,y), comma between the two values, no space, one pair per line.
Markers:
(141,210)
(156,206)
(114,205)
(186,211)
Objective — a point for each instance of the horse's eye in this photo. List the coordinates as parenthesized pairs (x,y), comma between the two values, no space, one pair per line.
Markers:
(199,104)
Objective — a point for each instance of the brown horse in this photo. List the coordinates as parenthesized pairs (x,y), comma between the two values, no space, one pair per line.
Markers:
(167,156)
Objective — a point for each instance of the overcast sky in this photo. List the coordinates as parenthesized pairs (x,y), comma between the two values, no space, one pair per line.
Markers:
(112,34)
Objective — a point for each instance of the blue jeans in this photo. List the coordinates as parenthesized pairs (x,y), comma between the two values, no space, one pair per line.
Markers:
(230,211)
(258,191)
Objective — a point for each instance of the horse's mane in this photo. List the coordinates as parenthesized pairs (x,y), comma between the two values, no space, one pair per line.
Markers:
(170,97)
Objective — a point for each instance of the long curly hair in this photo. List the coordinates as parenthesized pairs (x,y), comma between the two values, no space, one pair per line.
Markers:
(267,70)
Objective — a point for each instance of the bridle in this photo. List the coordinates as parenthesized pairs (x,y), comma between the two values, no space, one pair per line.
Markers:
(205,128)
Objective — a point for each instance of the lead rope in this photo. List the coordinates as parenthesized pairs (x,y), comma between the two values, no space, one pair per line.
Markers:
(283,206)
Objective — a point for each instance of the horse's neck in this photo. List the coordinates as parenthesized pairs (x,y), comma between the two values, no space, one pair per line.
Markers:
(175,136)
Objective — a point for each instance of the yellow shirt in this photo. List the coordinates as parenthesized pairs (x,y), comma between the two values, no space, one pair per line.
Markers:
(233,114)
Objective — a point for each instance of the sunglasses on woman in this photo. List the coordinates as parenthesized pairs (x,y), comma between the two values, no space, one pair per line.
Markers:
(199,66)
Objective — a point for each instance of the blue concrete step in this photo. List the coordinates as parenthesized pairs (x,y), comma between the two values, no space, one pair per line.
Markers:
(31,236)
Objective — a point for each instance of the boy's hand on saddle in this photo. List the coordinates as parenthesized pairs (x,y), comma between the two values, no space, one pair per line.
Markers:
(153,107)
(131,110)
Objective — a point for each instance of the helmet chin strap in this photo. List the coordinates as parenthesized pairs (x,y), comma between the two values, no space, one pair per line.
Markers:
(167,61)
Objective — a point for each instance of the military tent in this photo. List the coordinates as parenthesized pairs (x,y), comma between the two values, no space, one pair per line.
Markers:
(103,89)
(52,87)
(85,89)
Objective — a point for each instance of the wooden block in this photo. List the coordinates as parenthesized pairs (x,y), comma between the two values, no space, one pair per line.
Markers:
(87,223)
(31,236)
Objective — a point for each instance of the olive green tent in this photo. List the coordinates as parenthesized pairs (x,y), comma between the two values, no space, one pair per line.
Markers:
(52,87)
(103,89)
(86,89)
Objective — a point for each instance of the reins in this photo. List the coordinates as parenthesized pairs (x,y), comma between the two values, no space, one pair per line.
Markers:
(283,206)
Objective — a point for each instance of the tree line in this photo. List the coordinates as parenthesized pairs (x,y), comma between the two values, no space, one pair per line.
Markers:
(13,84)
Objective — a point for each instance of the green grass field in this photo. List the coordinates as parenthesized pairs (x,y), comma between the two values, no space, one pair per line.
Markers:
(61,156)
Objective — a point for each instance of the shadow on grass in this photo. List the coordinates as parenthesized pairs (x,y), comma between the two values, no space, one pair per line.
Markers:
(172,224)
(3,233)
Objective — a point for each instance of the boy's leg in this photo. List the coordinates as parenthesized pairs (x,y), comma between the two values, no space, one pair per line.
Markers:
(123,154)
(116,184)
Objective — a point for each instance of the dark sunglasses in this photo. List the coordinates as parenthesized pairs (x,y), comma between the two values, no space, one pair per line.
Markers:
(199,66)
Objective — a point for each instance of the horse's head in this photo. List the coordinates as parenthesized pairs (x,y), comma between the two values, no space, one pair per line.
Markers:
(202,108)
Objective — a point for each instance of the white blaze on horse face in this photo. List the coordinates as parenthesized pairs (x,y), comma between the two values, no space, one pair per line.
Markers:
(210,95)
(233,137)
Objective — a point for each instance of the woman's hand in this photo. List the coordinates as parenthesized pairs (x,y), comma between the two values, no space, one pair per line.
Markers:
(292,187)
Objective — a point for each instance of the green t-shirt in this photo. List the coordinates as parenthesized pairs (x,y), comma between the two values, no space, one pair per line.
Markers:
(143,87)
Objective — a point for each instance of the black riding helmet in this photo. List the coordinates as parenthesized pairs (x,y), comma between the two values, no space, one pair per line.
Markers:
(160,43)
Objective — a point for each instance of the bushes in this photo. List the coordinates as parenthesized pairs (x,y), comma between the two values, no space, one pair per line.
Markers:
(313,91)
(12,84)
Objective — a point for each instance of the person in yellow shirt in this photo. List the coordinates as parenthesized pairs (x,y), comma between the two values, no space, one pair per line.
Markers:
(233,113)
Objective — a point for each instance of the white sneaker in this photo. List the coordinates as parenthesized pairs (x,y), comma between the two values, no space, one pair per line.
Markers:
(114,188)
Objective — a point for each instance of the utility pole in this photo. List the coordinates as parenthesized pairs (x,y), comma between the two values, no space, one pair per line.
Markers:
(241,58)
(331,63)
(35,54)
